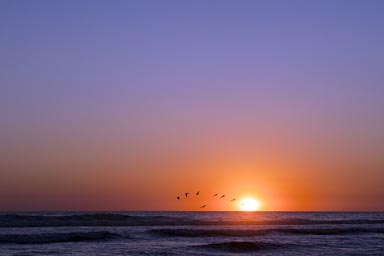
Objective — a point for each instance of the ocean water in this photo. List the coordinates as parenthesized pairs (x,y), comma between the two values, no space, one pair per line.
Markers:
(191,233)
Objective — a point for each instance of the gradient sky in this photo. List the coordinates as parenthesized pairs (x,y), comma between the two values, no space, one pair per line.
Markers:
(122,105)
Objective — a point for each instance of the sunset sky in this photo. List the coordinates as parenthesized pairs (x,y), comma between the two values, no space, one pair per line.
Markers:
(123,105)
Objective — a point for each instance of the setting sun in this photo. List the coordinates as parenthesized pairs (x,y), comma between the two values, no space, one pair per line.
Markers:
(249,204)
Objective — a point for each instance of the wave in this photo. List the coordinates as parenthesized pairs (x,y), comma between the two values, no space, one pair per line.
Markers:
(96,219)
(208,232)
(56,237)
(332,231)
(237,247)
(112,219)
(249,233)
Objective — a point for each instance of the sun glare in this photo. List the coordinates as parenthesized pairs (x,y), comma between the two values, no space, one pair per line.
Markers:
(249,204)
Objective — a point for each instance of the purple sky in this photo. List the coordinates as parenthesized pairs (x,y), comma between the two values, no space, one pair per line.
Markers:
(89,87)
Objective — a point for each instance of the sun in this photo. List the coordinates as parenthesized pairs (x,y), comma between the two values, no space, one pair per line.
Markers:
(249,204)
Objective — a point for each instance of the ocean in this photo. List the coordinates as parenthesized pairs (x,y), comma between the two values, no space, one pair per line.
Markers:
(191,233)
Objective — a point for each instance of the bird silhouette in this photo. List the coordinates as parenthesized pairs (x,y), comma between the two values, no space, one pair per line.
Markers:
(178,198)
(186,194)
(233,199)
(215,194)
(222,196)
(197,193)
(203,206)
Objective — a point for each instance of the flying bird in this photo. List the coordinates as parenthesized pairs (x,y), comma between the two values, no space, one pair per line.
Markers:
(178,198)
(186,194)
(197,193)
(215,194)
(233,199)
(203,206)
(222,196)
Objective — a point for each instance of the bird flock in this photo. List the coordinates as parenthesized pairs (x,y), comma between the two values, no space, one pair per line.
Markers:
(217,195)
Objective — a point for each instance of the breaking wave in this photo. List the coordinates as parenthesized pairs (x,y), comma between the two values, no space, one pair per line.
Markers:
(112,219)
(249,233)
(56,237)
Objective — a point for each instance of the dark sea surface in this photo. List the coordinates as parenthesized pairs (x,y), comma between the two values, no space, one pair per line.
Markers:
(191,233)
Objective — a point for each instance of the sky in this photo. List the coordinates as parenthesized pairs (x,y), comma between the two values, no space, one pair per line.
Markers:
(123,105)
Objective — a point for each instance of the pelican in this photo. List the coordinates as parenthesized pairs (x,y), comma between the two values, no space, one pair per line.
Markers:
(222,196)
(186,194)
(215,194)
(178,198)
(233,199)
(197,193)
(203,206)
